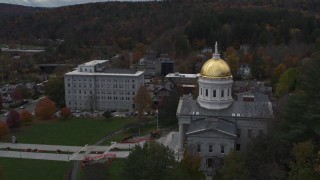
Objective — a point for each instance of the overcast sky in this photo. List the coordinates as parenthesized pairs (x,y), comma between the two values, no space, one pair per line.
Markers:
(53,3)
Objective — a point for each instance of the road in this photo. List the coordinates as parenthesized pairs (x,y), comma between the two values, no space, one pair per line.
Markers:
(30,107)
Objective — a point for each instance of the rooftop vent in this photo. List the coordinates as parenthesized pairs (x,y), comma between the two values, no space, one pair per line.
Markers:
(248,97)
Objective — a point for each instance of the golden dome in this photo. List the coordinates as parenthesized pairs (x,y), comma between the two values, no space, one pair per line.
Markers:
(216,68)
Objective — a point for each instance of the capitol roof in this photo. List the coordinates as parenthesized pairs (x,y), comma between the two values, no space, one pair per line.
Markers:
(242,109)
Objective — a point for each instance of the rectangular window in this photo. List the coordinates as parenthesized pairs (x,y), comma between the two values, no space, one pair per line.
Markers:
(200,91)
(214,93)
(228,92)
(206,92)
(249,133)
(222,93)
(222,149)
(198,148)
(210,148)
(260,132)
(238,133)
(237,147)
(209,162)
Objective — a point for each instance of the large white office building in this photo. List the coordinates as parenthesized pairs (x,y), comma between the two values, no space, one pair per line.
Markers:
(95,86)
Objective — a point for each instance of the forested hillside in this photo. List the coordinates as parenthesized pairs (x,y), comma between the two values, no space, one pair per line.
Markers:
(169,27)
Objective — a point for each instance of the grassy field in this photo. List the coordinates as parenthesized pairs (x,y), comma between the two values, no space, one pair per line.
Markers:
(26,169)
(75,131)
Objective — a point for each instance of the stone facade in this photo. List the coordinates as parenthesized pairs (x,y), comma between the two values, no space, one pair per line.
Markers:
(93,86)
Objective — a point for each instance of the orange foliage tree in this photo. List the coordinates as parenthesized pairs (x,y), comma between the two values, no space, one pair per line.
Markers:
(3,128)
(142,100)
(65,113)
(13,119)
(45,109)
(26,117)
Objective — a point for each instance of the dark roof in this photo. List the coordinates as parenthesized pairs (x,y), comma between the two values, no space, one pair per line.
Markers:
(205,124)
(190,107)
(258,97)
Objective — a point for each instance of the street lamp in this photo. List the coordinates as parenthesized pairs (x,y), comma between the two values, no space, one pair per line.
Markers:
(157,118)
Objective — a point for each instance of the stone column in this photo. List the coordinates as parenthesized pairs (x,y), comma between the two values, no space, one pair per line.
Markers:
(181,137)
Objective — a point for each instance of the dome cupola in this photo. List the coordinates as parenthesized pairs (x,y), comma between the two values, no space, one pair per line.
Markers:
(215,83)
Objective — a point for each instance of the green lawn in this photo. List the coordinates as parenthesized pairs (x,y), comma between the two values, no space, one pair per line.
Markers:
(75,131)
(26,169)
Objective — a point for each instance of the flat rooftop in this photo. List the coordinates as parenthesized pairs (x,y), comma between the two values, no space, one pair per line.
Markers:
(108,72)
(179,75)
(94,62)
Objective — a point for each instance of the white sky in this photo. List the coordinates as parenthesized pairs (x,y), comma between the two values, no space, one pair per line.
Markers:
(54,3)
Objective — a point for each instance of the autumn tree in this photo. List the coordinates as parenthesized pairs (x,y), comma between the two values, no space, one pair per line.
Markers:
(138,52)
(234,166)
(13,119)
(142,100)
(191,161)
(45,109)
(65,113)
(26,117)
(232,59)
(287,82)
(54,89)
(279,70)
(151,161)
(302,167)
(3,128)
(17,95)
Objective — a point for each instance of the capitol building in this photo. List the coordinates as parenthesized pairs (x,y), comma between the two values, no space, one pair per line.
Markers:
(217,122)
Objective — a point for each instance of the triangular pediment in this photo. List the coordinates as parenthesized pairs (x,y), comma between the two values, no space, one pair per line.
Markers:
(210,133)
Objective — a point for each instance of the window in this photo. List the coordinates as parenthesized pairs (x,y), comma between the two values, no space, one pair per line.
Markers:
(200,91)
(222,149)
(214,93)
(209,162)
(237,147)
(206,92)
(249,133)
(210,148)
(238,133)
(260,132)
(222,93)
(228,92)
(198,147)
